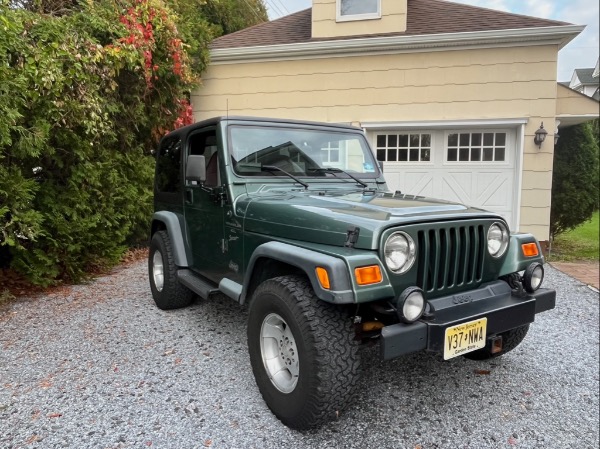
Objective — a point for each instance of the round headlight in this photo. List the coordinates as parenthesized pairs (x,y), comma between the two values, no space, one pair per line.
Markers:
(497,239)
(533,277)
(410,305)
(400,252)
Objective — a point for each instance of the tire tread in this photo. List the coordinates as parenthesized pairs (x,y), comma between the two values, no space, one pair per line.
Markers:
(174,295)
(336,361)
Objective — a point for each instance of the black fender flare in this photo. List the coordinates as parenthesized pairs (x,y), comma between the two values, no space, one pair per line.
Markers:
(340,291)
(173,225)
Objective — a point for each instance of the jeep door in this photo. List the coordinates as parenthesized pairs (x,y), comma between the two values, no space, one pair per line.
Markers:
(204,208)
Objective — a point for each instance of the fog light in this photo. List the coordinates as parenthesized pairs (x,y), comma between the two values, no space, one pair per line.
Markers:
(533,277)
(410,305)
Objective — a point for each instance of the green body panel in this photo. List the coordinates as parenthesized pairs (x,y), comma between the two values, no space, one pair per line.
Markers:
(515,260)
(324,216)
(224,226)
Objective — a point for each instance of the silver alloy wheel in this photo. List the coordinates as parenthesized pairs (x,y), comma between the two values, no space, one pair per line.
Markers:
(158,271)
(279,353)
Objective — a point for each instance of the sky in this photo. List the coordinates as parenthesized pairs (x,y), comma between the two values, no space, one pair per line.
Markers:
(581,52)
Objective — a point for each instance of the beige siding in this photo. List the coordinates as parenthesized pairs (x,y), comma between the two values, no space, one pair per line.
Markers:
(535,198)
(537,218)
(574,103)
(491,83)
(324,24)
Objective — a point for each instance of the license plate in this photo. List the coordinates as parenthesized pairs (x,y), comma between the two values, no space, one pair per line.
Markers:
(465,337)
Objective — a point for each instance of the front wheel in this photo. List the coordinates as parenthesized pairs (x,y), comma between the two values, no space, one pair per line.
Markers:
(302,351)
(167,292)
(510,340)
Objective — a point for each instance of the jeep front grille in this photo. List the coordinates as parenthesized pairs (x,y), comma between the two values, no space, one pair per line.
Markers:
(450,257)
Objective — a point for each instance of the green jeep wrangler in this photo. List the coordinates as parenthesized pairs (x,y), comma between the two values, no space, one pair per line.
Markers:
(295,220)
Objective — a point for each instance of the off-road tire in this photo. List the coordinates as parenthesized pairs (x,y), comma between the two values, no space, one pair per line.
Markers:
(172,294)
(510,340)
(328,356)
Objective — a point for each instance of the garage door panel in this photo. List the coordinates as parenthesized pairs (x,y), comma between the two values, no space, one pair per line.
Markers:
(493,190)
(418,183)
(456,186)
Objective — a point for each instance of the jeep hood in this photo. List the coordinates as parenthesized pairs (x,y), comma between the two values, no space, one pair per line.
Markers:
(325,217)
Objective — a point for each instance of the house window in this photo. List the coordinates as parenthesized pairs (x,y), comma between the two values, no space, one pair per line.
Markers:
(406,147)
(476,147)
(358,9)
(331,153)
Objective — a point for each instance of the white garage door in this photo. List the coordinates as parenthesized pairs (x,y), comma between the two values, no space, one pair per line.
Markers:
(475,167)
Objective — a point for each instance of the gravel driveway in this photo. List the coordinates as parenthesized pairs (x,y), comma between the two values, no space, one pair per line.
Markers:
(99,366)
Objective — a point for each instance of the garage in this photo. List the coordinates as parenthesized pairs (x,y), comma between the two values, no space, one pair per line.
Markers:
(476,166)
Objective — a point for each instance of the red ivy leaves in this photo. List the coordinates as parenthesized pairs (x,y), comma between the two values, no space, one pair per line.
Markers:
(141,20)
(141,34)
(186,114)
(175,47)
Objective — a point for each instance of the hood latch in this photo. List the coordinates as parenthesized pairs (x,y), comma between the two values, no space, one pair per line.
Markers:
(352,236)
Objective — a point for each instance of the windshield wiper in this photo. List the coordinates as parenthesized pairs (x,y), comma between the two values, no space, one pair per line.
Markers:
(275,168)
(339,170)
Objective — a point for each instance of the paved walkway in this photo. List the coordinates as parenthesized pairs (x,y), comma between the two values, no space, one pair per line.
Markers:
(586,272)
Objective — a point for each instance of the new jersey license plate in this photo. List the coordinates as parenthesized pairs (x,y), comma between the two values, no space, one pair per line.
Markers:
(465,337)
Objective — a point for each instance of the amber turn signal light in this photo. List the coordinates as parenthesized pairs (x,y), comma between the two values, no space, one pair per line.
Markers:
(323,277)
(530,249)
(368,275)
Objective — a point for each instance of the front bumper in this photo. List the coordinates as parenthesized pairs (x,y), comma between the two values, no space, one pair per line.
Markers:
(495,301)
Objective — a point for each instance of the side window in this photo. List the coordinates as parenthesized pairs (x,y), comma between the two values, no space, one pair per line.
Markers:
(168,165)
(205,144)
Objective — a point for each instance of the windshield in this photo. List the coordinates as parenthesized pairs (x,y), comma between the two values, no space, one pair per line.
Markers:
(300,152)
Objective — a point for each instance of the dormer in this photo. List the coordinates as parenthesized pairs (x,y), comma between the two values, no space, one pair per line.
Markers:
(338,18)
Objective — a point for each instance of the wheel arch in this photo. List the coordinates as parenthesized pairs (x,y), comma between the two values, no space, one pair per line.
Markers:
(273,259)
(172,223)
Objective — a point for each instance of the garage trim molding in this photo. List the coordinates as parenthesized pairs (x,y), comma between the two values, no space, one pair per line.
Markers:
(438,124)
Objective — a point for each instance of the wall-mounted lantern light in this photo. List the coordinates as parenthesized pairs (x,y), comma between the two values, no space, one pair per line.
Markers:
(540,136)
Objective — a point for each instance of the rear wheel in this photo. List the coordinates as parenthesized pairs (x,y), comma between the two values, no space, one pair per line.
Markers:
(303,353)
(510,340)
(167,292)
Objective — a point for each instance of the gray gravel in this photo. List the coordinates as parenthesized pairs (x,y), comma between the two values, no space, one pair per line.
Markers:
(99,366)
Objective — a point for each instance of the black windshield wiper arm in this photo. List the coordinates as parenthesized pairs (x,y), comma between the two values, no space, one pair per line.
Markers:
(275,168)
(339,170)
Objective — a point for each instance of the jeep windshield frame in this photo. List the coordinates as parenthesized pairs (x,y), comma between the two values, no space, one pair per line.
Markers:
(302,152)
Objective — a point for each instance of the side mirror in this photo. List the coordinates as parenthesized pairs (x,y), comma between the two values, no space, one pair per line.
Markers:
(195,169)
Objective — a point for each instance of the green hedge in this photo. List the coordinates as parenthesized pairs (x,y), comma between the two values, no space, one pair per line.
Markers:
(84,97)
(575,178)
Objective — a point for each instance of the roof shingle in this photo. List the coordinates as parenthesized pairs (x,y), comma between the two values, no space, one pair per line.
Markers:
(586,76)
(423,17)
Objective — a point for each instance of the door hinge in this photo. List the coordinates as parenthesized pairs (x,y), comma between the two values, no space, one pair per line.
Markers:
(219,196)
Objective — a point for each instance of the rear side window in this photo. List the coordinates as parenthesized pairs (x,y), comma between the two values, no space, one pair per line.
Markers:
(168,165)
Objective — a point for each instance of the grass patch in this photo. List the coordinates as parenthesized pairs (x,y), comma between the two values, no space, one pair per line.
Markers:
(579,244)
